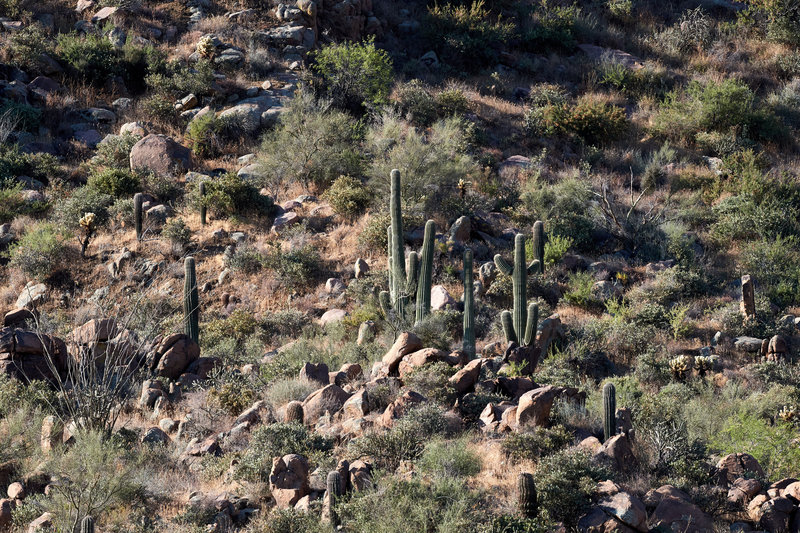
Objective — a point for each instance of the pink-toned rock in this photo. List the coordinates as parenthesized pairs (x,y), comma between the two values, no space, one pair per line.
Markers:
(405,344)
(420,358)
(738,465)
(743,490)
(401,406)
(330,399)
(675,512)
(440,298)
(288,480)
(160,155)
(317,373)
(627,509)
(41,524)
(173,355)
(465,379)
(357,405)
(104,14)
(332,316)
(94,331)
(598,521)
(534,406)
(618,452)
(793,491)
(360,476)
(16,491)
(776,515)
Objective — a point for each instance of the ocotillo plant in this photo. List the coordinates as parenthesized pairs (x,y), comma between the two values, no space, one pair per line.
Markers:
(468,343)
(87,525)
(425,272)
(202,203)
(333,494)
(521,328)
(138,200)
(538,244)
(191,301)
(527,503)
(609,411)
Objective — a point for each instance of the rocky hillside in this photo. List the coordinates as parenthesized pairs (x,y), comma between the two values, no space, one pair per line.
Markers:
(389,267)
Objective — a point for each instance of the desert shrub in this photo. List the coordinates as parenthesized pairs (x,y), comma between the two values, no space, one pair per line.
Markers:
(785,103)
(693,31)
(579,290)
(13,203)
(775,264)
(233,395)
(416,103)
(296,268)
(374,235)
(290,521)
(176,79)
(353,75)
(313,146)
(565,481)
(551,26)
(27,45)
(115,151)
(25,117)
(465,36)
(230,195)
(564,207)
(91,57)
(68,211)
(283,391)
(432,382)
(177,232)
(206,135)
(438,329)
(348,197)
(245,259)
(239,327)
(592,120)
(283,323)
(277,440)
(778,19)
(40,251)
(14,162)
(451,102)
(554,249)
(430,165)
(517,524)
(114,182)
(450,459)
(532,445)
(405,441)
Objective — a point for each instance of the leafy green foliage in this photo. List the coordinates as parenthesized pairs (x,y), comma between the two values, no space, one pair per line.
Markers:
(277,440)
(115,182)
(348,197)
(90,56)
(535,444)
(592,120)
(231,195)
(41,251)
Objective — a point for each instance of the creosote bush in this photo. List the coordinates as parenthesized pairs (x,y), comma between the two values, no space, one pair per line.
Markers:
(41,251)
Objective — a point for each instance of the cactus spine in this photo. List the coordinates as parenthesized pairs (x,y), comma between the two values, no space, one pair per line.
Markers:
(333,494)
(609,411)
(521,327)
(138,199)
(191,301)
(468,344)
(527,495)
(202,203)
(87,525)
(425,273)
(538,244)
(294,412)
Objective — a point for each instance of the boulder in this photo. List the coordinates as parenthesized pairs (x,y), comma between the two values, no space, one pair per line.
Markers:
(420,358)
(317,373)
(161,155)
(288,480)
(247,113)
(32,295)
(405,344)
(627,509)
(401,406)
(441,299)
(674,511)
(618,452)
(173,355)
(361,268)
(29,355)
(330,399)
(534,406)
(332,316)
(460,230)
(736,465)
(465,379)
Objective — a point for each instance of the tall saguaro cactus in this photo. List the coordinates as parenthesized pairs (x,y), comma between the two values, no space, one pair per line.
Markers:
(191,301)
(138,200)
(538,244)
(609,411)
(334,493)
(425,272)
(468,343)
(202,203)
(527,501)
(397,267)
(521,327)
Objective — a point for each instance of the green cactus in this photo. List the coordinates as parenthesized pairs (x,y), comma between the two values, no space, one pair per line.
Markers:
(138,200)
(527,502)
(521,327)
(425,272)
(538,244)
(397,266)
(609,411)
(468,343)
(191,301)
(202,203)
(87,525)
(333,494)
(294,412)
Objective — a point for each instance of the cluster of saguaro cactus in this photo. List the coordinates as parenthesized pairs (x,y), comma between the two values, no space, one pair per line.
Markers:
(527,501)
(468,342)
(87,525)
(521,328)
(609,411)
(538,244)
(191,301)
(333,494)
(414,278)
(202,203)
(680,367)
(138,200)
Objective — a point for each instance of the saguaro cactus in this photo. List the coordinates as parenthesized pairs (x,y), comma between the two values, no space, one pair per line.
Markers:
(397,266)
(527,503)
(609,411)
(333,494)
(468,343)
(138,200)
(202,203)
(191,301)
(538,244)
(87,525)
(294,412)
(521,327)
(425,272)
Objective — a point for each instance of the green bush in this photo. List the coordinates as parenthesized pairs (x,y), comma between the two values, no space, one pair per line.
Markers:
(775,265)
(450,459)
(432,382)
(230,195)
(68,211)
(177,232)
(452,102)
(176,79)
(91,57)
(25,117)
(206,135)
(592,120)
(115,151)
(312,146)
(348,197)
(114,182)
(13,204)
(14,163)
(297,268)
(277,440)
(533,445)
(39,252)
(778,19)
(353,75)
(291,521)
(551,26)
(564,207)
(416,103)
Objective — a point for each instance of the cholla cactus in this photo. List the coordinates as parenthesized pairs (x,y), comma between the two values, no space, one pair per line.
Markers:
(463,185)
(88,224)
(205,46)
(704,364)
(680,367)
(788,414)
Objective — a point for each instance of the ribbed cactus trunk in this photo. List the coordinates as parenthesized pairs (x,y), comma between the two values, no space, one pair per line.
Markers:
(87,525)
(519,327)
(609,411)
(520,279)
(334,493)
(538,244)
(294,412)
(425,273)
(398,275)
(138,200)
(191,301)
(202,203)
(527,502)
(468,342)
